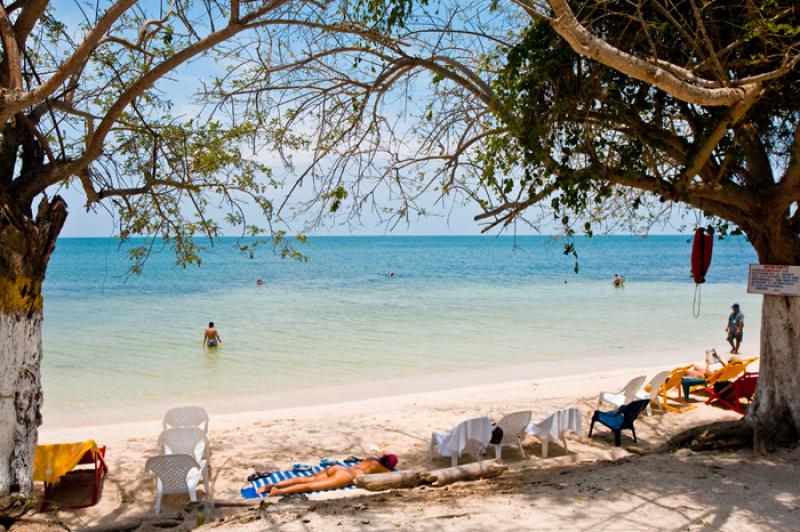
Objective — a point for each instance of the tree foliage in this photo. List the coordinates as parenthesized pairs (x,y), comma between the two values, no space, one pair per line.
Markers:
(579,127)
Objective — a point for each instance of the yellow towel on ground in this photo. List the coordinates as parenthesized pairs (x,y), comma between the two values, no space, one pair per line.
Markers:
(51,462)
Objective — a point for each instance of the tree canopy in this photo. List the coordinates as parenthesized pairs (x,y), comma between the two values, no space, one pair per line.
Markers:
(504,103)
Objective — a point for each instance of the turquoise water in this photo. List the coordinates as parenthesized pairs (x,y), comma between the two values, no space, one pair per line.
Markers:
(454,303)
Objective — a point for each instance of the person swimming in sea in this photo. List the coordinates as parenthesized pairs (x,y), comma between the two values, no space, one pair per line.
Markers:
(331,477)
(211,338)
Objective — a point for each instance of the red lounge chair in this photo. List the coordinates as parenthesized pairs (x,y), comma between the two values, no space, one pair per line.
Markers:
(731,396)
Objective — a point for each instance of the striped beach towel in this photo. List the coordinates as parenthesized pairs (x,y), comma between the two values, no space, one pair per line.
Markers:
(251,492)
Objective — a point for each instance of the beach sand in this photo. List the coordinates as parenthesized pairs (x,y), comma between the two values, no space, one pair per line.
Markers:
(592,486)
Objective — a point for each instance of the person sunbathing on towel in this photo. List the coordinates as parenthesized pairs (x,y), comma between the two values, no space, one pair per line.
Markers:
(332,477)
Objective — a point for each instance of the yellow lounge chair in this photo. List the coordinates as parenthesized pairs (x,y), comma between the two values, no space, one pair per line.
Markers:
(732,370)
(674,381)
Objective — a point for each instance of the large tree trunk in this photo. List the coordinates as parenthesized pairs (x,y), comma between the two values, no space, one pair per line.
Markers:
(25,248)
(775,412)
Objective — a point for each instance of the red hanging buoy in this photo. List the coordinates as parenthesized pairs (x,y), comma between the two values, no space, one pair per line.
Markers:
(701,255)
(701,260)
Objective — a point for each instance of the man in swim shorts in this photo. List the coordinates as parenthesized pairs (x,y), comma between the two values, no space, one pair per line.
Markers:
(332,477)
(735,328)
(211,338)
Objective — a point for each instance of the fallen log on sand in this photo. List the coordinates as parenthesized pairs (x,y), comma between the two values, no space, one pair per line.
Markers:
(165,520)
(437,477)
(389,481)
(474,471)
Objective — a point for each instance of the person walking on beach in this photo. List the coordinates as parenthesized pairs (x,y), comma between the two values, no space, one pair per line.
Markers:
(735,328)
(211,338)
(618,281)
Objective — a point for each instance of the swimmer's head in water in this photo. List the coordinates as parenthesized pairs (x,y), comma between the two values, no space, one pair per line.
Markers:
(210,323)
(389,461)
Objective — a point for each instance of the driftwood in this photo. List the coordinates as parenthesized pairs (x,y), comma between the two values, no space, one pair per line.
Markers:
(388,481)
(165,520)
(437,477)
(220,503)
(474,471)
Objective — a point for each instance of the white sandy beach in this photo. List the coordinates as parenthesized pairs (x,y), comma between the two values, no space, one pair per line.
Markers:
(593,485)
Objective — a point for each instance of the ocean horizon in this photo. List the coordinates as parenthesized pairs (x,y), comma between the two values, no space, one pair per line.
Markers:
(454,303)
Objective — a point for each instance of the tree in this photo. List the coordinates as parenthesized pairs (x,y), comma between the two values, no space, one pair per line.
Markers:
(695,102)
(592,111)
(80,106)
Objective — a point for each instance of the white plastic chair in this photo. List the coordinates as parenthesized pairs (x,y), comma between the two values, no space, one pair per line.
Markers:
(470,436)
(186,416)
(624,396)
(555,427)
(192,441)
(185,440)
(175,473)
(514,431)
(655,387)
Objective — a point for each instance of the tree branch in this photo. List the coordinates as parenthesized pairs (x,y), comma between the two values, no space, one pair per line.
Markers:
(788,190)
(25,188)
(583,42)
(31,12)
(12,102)
(11,57)
(703,151)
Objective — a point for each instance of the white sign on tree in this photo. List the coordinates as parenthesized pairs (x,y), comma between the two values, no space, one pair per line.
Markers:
(774,280)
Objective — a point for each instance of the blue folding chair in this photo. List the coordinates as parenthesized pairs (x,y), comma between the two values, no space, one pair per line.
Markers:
(621,419)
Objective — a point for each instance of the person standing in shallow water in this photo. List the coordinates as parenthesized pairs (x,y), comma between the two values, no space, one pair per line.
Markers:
(211,338)
(735,328)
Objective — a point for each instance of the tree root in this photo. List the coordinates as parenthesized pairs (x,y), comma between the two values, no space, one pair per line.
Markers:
(717,436)
(13,506)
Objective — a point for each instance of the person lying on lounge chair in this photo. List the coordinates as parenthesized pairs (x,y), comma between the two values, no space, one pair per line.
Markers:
(332,477)
(700,370)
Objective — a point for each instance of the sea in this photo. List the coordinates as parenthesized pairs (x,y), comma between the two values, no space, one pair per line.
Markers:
(366,309)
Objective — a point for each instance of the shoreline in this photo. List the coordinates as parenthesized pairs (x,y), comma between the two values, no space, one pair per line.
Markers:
(224,410)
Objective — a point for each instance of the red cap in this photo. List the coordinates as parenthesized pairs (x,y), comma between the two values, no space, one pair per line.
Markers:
(389,461)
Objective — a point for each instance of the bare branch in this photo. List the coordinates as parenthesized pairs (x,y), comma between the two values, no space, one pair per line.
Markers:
(12,102)
(11,57)
(709,143)
(31,12)
(583,42)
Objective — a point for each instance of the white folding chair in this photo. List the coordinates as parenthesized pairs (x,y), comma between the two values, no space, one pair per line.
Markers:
(514,431)
(185,440)
(470,436)
(175,473)
(192,441)
(186,416)
(655,387)
(624,396)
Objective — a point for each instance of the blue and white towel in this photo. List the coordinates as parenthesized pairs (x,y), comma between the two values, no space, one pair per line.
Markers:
(251,492)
